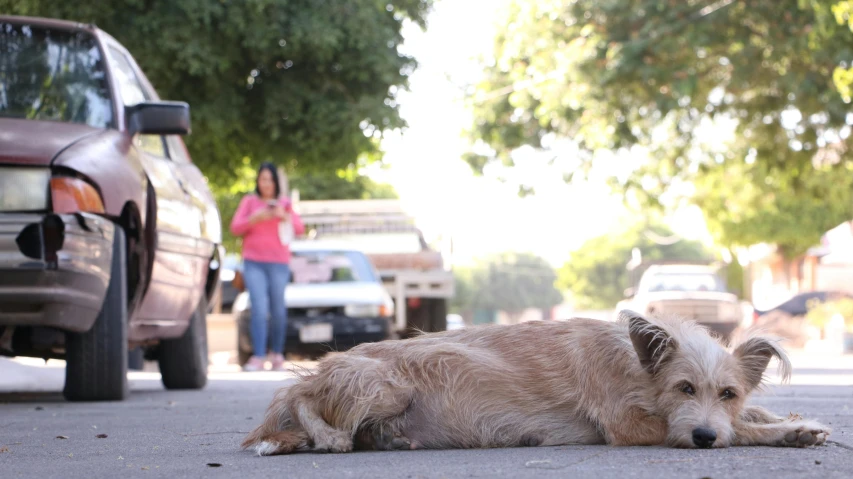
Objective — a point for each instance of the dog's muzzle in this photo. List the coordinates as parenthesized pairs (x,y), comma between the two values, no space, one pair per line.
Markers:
(704,437)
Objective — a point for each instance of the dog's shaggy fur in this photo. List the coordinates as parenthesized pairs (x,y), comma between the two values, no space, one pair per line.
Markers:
(634,382)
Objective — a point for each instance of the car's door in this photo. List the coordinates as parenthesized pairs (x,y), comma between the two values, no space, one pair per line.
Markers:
(179,263)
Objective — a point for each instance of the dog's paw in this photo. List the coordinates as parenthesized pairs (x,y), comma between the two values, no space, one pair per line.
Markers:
(338,441)
(805,434)
(389,441)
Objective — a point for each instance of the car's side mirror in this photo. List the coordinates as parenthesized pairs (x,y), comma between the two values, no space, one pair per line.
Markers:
(159,118)
(629,293)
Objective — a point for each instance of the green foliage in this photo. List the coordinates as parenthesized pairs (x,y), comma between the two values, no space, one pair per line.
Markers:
(509,282)
(307,82)
(651,77)
(596,273)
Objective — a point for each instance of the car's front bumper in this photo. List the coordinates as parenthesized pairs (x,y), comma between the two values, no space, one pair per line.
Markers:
(54,269)
(347,332)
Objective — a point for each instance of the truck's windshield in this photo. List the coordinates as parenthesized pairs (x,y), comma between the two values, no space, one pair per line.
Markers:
(685,282)
(54,75)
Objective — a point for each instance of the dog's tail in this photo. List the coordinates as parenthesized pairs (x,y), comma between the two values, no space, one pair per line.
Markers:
(279,433)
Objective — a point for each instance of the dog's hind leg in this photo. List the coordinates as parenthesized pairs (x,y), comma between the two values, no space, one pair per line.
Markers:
(278,434)
(348,396)
(759,415)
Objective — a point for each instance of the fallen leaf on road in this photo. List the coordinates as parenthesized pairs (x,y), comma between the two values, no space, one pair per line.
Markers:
(315,465)
(156,447)
(101,436)
(62,437)
(144,468)
(4,449)
(70,454)
(39,408)
(120,458)
(535,463)
(214,464)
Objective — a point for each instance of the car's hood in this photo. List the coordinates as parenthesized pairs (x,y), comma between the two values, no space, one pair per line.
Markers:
(334,294)
(687,295)
(31,142)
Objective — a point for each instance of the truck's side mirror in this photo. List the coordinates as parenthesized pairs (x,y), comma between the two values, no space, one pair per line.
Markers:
(159,118)
(629,293)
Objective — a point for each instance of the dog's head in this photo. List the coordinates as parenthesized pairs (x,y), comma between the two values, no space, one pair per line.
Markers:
(699,387)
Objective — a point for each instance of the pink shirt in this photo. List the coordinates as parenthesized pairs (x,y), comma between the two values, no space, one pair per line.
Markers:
(260,240)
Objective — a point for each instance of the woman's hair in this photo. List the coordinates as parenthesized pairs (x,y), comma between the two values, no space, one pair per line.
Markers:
(274,172)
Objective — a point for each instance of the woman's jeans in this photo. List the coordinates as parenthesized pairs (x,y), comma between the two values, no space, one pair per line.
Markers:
(266,283)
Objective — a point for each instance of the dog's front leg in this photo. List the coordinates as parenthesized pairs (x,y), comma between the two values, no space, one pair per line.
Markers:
(635,428)
(754,429)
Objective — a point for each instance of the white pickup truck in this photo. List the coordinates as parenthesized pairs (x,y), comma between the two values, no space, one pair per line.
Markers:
(690,291)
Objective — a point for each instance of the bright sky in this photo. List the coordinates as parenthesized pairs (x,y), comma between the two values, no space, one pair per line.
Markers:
(482,215)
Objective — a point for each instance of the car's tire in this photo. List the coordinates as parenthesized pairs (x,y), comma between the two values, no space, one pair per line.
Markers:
(183,361)
(96,360)
(136,359)
(244,339)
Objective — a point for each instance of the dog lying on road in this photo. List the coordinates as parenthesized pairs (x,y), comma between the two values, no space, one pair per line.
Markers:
(634,382)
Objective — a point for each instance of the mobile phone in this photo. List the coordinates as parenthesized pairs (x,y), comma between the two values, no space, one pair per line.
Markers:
(272,203)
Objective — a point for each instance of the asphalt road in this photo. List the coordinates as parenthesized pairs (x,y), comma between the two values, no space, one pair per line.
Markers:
(158,433)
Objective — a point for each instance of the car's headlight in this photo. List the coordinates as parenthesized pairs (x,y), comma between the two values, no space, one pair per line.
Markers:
(367,311)
(24,189)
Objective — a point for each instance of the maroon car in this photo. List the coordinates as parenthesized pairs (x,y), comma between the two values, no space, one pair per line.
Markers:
(109,236)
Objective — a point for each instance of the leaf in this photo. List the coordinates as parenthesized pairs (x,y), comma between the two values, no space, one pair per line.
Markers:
(61,437)
(101,436)
(214,464)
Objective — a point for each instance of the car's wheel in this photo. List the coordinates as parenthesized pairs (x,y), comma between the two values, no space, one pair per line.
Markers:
(96,360)
(244,339)
(136,359)
(183,361)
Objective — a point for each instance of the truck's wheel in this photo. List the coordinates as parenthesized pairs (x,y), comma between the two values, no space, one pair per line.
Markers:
(438,315)
(183,361)
(96,360)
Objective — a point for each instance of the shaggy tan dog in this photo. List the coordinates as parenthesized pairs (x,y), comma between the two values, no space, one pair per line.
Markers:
(634,382)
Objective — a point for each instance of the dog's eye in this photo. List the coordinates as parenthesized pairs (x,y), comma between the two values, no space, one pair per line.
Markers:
(728,394)
(687,388)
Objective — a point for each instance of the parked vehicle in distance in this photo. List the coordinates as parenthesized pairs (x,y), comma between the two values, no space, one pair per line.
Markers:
(455,321)
(109,236)
(691,291)
(335,301)
(787,320)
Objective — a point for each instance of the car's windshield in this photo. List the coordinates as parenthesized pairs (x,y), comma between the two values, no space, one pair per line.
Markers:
(685,282)
(330,267)
(54,75)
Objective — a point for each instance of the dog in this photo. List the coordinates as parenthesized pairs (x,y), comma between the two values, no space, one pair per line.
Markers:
(635,382)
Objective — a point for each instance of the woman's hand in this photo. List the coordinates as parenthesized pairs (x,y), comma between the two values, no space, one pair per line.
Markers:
(280,213)
(262,214)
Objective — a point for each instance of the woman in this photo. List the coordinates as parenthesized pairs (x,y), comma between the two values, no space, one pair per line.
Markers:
(266,261)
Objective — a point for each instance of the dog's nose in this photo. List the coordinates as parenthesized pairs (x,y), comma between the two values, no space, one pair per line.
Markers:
(704,437)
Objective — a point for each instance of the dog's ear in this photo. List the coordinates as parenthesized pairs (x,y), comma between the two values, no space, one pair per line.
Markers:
(753,356)
(653,345)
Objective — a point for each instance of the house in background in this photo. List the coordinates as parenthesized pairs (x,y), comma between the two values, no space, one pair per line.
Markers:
(829,267)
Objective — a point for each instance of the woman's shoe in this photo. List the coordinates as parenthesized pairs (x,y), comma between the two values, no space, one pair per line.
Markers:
(254,363)
(277,361)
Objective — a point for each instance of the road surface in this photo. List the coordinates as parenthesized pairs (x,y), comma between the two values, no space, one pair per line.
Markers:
(158,433)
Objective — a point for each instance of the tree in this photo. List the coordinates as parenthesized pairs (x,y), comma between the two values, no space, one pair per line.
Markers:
(657,79)
(509,282)
(596,274)
(302,82)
